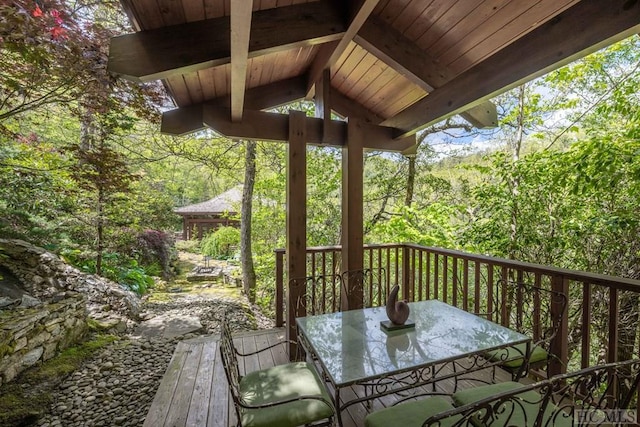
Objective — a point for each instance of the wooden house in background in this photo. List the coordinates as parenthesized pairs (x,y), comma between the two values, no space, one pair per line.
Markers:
(201,218)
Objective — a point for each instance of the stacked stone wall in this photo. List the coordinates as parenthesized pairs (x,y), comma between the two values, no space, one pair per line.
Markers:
(33,335)
(44,275)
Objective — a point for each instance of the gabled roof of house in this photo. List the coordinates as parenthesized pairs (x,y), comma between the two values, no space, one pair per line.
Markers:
(227,202)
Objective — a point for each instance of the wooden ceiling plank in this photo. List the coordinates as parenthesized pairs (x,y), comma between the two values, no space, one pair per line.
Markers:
(478,16)
(405,95)
(476,35)
(555,43)
(383,80)
(256,67)
(408,59)
(425,22)
(179,90)
(393,9)
(347,107)
(213,9)
(194,86)
(267,69)
(502,35)
(268,4)
(193,10)
(410,14)
(329,56)
(221,83)
(369,79)
(172,12)
(208,83)
(160,53)
(380,7)
(148,13)
(343,76)
(446,22)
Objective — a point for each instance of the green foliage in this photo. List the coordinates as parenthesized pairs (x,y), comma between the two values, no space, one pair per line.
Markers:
(116,267)
(222,243)
(192,246)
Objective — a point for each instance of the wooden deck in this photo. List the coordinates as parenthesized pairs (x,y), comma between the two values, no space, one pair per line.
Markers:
(194,392)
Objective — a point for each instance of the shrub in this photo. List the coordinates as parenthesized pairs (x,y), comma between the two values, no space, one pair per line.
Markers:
(155,248)
(192,246)
(221,243)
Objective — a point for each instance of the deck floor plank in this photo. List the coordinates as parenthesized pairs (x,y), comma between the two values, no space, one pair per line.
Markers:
(194,390)
(199,405)
(179,409)
(162,401)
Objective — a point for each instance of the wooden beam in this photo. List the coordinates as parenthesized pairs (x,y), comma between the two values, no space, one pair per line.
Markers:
(182,121)
(296,246)
(240,32)
(179,49)
(330,53)
(352,211)
(404,56)
(552,45)
(347,107)
(323,99)
(275,127)
(270,95)
(185,120)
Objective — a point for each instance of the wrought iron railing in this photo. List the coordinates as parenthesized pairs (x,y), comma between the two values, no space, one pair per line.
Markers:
(595,329)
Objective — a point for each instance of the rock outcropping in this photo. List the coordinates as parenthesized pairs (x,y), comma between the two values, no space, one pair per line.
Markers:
(44,307)
(44,275)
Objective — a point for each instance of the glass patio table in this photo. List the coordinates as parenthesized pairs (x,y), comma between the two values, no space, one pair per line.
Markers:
(352,349)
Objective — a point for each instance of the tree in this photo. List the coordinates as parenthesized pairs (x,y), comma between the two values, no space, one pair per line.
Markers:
(104,176)
(246,254)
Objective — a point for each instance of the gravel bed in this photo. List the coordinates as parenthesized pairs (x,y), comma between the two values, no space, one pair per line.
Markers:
(116,387)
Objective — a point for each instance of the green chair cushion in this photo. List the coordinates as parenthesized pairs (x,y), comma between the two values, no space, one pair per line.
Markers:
(513,355)
(411,414)
(522,412)
(282,382)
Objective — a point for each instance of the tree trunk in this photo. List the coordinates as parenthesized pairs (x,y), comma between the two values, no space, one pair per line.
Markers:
(515,184)
(246,257)
(411,179)
(100,227)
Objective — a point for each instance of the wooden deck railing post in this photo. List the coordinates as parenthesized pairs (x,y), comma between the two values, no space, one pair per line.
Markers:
(560,343)
(280,307)
(407,288)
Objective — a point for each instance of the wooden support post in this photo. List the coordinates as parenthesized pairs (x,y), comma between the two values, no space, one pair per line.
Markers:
(352,226)
(280,288)
(323,103)
(560,344)
(296,246)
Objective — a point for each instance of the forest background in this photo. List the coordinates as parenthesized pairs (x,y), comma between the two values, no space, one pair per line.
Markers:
(84,171)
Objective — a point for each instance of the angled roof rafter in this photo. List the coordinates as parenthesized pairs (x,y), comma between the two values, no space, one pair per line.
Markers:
(553,44)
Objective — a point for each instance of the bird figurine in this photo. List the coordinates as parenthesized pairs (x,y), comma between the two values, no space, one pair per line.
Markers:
(397,311)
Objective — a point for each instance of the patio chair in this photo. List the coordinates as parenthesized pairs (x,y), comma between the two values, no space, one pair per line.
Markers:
(372,281)
(316,294)
(526,298)
(284,395)
(587,397)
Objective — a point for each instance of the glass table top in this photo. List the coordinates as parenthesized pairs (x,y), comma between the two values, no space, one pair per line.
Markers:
(352,346)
